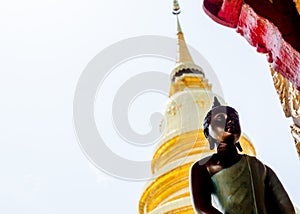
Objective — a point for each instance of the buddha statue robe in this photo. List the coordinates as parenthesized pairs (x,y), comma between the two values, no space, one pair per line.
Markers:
(250,187)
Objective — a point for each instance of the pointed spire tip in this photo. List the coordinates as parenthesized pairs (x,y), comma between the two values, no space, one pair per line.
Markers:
(176,8)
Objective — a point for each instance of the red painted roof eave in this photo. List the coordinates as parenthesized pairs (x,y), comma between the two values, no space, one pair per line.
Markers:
(260,32)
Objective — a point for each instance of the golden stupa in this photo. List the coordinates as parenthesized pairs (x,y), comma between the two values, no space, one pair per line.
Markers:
(183,141)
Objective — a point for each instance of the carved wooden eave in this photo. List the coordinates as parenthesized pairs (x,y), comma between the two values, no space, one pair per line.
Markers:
(272,26)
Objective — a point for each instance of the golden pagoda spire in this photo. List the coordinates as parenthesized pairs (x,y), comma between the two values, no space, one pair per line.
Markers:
(184,60)
(186,73)
(183,54)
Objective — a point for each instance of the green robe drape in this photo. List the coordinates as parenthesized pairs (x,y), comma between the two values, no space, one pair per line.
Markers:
(243,188)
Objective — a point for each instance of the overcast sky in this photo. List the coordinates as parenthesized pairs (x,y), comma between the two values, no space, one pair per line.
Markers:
(44,47)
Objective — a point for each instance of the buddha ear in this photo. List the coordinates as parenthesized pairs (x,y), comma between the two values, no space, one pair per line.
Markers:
(209,138)
(211,143)
(238,145)
(216,102)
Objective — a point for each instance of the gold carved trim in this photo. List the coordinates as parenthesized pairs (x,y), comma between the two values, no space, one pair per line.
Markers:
(289,96)
(290,100)
(281,86)
(296,134)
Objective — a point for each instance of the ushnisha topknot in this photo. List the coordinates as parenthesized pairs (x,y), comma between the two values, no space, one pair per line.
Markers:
(216,103)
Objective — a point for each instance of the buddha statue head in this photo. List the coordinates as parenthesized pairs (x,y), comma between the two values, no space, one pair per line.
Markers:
(222,125)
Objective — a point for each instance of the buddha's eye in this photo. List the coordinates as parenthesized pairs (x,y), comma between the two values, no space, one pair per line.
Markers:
(220,117)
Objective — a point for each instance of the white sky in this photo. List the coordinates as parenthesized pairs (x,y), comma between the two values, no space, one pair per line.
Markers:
(44,47)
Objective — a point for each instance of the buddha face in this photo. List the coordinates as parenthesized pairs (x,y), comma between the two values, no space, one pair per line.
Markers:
(224,125)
